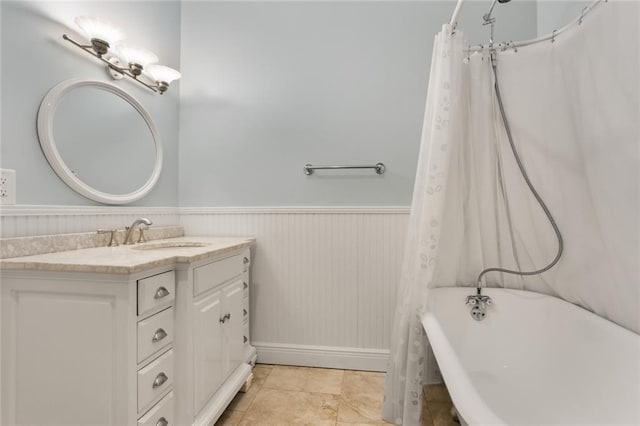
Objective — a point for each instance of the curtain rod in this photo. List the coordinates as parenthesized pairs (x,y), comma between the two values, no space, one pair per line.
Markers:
(454,18)
(514,45)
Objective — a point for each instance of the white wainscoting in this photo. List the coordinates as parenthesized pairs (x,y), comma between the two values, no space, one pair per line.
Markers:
(324,280)
(26,220)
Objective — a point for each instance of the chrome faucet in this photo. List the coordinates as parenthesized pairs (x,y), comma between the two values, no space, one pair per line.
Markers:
(478,303)
(128,236)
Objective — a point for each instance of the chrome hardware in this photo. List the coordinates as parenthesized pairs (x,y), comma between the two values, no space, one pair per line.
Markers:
(159,335)
(161,292)
(245,339)
(129,230)
(113,241)
(224,318)
(160,380)
(478,303)
(162,422)
(378,167)
(245,260)
(142,238)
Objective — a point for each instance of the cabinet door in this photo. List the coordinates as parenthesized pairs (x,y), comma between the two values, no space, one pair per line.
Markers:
(207,341)
(233,327)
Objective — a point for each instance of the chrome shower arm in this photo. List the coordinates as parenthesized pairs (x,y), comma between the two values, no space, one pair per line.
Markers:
(487,18)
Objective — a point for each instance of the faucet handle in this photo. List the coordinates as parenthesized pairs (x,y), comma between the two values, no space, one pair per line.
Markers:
(142,238)
(113,241)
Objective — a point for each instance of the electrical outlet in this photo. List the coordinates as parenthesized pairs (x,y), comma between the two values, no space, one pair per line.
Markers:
(7,186)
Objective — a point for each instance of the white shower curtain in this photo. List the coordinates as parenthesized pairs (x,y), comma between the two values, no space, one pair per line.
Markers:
(574,110)
(445,102)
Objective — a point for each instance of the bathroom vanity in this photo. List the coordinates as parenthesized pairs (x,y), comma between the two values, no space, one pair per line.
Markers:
(151,334)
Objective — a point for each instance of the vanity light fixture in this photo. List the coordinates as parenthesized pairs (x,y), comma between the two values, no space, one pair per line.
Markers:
(123,59)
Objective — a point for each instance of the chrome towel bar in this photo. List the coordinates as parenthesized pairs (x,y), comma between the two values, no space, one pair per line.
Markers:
(309,168)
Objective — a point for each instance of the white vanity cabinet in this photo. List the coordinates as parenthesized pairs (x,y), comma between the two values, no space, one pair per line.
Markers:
(165,346)
(213,298)
(87,349)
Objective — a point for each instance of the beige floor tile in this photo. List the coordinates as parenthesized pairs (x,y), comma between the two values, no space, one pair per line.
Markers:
(284,407)
(427,420)
(361,397)
(441,414)
(436,393)
(229,418)
(260,373)
(243,400)
(286,378)
(323,380)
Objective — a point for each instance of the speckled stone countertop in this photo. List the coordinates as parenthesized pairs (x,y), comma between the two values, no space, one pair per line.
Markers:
(129,259)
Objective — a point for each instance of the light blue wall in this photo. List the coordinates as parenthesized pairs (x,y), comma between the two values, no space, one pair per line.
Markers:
(35,58)
(270,86)
(555,14)
(267,87)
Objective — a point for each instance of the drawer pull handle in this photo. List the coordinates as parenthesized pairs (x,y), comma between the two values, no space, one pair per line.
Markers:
(160,380)
(245,285)
(162,422)
(245,260)
(245,339)
(159,335)
(162,292)
(244,312)
(224,318)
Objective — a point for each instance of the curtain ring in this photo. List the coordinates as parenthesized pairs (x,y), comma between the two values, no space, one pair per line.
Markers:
(582,15)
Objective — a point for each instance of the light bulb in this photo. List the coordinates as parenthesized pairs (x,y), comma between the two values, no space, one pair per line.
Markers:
(95,28)
(137,58)
(163,75)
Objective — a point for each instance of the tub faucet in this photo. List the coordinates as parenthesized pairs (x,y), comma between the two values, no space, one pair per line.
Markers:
(478,303)
(128,236)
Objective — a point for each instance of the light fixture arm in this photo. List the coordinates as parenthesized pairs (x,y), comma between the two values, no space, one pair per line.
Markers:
(124,71)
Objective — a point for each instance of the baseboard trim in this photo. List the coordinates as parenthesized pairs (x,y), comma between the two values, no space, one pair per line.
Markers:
(323,356)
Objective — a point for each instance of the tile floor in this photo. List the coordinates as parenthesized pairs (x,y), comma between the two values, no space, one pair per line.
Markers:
(283,395)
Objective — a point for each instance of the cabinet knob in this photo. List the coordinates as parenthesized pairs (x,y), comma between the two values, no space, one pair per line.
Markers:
(245,260)
(162,422)
(161,292)
(159,335)
(160,379)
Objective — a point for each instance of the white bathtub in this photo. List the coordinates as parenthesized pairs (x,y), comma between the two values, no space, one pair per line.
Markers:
(535,360)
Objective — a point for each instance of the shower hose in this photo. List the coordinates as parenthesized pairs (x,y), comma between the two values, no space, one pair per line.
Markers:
(539,199)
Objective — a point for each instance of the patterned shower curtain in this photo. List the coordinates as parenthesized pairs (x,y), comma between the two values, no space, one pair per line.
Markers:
(440,135)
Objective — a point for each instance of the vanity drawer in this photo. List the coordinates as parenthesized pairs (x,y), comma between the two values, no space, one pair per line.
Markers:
(156,291)
(154,380)
(161,414)
(154,333)
(212,275)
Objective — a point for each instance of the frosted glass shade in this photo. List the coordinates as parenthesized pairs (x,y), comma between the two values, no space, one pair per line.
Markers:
(136,55)
(95,28)
(162,73)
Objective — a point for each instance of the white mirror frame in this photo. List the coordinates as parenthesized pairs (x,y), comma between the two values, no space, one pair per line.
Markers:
(46,115)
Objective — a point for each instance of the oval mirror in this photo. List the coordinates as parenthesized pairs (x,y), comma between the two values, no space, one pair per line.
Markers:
(100,141)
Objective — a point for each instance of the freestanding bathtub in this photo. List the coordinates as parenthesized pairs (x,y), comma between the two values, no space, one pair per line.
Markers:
(534,360)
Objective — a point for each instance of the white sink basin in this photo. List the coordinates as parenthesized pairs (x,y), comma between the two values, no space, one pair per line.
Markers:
(170,245)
